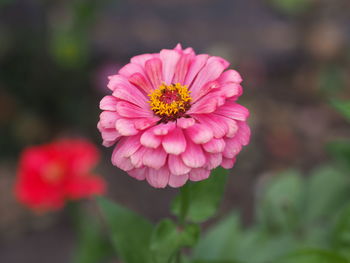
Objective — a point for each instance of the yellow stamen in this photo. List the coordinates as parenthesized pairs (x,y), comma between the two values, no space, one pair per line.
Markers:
(170,100)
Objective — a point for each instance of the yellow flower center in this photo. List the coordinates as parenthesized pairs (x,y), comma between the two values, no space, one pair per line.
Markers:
(170,101)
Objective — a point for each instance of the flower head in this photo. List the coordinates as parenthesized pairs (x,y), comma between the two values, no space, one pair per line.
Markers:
(173,116)
(50,174)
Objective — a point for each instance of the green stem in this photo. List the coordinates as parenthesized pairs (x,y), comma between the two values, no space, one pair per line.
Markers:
(185,203)
(178,256)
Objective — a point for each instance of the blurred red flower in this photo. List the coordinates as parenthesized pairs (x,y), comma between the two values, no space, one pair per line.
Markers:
(50,174)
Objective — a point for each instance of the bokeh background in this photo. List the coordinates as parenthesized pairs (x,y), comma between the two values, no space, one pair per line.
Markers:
(55,57)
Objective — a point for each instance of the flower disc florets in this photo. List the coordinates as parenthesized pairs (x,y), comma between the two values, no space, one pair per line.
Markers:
(170,102)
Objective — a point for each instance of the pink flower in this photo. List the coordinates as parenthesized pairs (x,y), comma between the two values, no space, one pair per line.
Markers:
(174,117)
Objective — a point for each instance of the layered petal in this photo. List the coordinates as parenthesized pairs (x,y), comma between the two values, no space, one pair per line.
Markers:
(158,178)
(178,180)
(174,142)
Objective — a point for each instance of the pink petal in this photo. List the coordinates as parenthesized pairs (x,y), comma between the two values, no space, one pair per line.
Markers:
(230,76)
(185,122)
(228,163)
(199,133)
(234,111)
(137,157)
(178,47)
(169,60)
(177,180)
(127,146)
(213,160)
(124,90)
(153,68)
(164,128)
(138,173)
(108,119)
(199,174)
(126,109)
(108,131)
(232,126)
(158,178)
(119,160)
(182,68)
(243,133)
(211,71)
(177,166)
(231,90)
(144,123)
(108,103)
(130,69)
(207,104)
(210,86)
(149,139)
(214,146)
(141,59)
(232,148)
(221,60)
(197,64)
(193,156)
(216,125)
(174,142)
(139,80)
(154,158)
(109,136)
(188,50)
(126,127)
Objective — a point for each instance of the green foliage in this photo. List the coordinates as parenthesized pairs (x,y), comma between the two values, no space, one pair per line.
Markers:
(199,201)
(340,150)
(341,233)
(280,202)
(93,246)
(294,214)
(168,238)
(327,191)
(342,106)
(131,233)
(313,256)
(219,240)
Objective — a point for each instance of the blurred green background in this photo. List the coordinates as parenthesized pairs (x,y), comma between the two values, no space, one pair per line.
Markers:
(55,57)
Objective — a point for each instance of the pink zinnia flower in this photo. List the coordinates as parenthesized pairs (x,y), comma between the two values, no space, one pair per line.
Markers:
(174,117)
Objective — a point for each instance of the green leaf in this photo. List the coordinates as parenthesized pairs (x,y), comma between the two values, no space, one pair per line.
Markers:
(340,150)
(228,241)
(280,202)
(327,192)
(313,256)
(266,246)
(168,238)
(341,232)
(202,198)
(130,232)
(342,106)
(220,240)
(93,246)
